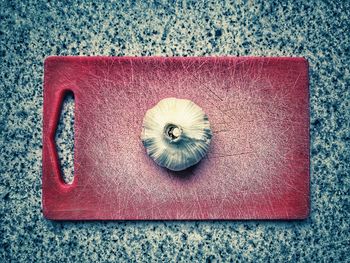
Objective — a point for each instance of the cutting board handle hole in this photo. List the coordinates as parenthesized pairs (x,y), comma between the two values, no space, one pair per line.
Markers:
(64,138)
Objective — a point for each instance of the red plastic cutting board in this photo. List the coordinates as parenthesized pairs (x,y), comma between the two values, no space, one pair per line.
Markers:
(258,163)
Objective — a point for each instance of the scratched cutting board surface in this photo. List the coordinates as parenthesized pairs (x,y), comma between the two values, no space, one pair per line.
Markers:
(257,166)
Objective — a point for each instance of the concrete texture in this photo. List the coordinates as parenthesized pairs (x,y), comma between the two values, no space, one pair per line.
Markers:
(32,30)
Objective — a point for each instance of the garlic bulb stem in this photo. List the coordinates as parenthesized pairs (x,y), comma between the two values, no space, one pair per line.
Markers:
(172,132)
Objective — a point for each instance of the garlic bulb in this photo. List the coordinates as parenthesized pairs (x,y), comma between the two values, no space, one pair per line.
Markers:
(176,133)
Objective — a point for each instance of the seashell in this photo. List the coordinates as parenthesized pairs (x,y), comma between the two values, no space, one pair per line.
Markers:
(176,133)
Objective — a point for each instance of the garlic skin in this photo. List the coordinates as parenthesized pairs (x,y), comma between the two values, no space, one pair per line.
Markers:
(176,133)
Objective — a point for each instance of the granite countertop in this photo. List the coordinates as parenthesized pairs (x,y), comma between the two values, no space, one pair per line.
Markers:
(32,30)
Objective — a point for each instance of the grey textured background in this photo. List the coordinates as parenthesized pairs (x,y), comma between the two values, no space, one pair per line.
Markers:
(31,30)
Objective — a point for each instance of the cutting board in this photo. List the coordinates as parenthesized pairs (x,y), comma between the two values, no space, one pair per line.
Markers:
(257,166)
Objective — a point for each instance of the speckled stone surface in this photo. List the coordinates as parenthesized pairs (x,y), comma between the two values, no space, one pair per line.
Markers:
(32,30)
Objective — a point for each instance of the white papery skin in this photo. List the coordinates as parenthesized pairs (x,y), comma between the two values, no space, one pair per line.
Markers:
(176,133)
